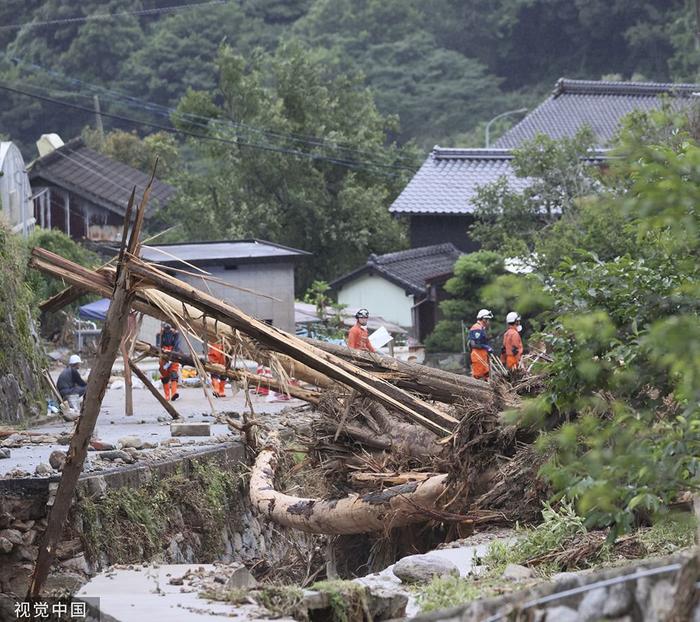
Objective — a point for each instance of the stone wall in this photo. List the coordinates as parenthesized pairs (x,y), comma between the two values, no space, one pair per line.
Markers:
(223,529)
(636,599)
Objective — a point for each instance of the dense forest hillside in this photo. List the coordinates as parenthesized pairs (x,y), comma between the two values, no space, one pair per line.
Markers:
(444,67)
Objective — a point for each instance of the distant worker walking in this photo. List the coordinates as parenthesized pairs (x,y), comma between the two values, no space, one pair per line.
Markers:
(69,381)
(168,340)
(358,336)
(512,342)
(217,356)
(479,345)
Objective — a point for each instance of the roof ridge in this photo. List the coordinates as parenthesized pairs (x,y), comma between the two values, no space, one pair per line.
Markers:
(614,87)
(480,153)
(412,253)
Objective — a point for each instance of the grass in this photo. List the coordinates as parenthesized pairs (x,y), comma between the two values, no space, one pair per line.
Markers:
(133,524)
(348,600)
(282,600)
(669,534)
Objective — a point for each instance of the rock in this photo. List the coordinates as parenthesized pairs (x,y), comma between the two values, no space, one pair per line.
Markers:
(591,605)
(190,429)
(162,419)
(516,572)
(422,568)
(116,454)
(47,439)
(63,439)
(77,564)
(12,535)
(96,487)
(29,537)
(387,604)
(17,473)
(43,469)
(618,602)
(5,453)
(23,525)
(6,520)
(561,614)
(5,545)
(28,553)
(130,442)
(15,440)
(147,445)
(660,601)
(57,459)
(240,578)
(570,578)
(97,445)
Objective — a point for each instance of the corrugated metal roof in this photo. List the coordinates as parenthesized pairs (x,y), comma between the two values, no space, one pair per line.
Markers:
(600,105)
(240,251)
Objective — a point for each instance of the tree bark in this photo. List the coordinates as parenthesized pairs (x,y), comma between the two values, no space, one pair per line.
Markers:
(434,383)
(377,511)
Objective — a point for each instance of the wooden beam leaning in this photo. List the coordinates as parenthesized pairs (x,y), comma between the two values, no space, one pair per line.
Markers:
(111,338)
(413,408)
(169,408)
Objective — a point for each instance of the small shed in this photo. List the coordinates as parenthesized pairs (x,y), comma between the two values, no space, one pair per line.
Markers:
(85,193)
(15,190)
(254,275)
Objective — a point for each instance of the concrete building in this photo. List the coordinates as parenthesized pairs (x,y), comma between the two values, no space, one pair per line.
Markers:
(253,275)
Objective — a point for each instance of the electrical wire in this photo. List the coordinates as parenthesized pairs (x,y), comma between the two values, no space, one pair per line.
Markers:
(352,164)
(106,16)
(169,112)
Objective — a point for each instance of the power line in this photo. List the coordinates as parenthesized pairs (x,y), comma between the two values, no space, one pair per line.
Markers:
(358,165)
(105,16)
(168,112)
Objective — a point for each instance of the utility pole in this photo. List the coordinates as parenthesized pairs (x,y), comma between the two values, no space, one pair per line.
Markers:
(98,117)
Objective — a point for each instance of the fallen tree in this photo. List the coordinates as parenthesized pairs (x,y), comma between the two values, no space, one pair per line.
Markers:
(377,511)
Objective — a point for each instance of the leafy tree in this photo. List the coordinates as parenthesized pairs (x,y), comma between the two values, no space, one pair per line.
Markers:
(261,185)
(329,311)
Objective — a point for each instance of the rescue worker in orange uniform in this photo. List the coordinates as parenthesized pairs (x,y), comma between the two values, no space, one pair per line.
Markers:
(216,355)
(479,345)
(512,342)
(168,340)
(358,336)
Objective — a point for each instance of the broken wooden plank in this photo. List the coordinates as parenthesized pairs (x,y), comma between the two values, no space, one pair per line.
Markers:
(169,408)
(111,337)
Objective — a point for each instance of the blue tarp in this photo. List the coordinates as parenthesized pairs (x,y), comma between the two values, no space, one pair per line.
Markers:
(95,310)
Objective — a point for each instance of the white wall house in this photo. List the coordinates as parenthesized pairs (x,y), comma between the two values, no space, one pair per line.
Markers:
(400,286)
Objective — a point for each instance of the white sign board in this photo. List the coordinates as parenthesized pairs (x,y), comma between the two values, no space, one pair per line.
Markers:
(380,337)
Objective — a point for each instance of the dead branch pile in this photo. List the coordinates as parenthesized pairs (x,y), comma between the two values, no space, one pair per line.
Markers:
(397,443)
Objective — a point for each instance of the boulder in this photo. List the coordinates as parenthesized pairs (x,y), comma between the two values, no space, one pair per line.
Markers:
(126,442)
(12,535)
(423,568)
(5,453)
(43,469)
(57,459)
(5,545)
(240,578)
(516,572)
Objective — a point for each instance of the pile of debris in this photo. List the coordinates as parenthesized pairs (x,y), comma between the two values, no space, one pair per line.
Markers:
(402,442)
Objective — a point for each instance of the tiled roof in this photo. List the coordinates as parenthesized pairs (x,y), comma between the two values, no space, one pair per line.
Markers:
(448,180)
(408,269)
(598,104)
(212,253)
(96,177)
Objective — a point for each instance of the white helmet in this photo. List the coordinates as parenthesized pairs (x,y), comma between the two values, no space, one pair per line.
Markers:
(484,314)
(512,318)
(74,359)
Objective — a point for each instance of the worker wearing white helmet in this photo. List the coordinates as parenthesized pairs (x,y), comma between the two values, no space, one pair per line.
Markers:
(479,345)
(69,380)
(512,342)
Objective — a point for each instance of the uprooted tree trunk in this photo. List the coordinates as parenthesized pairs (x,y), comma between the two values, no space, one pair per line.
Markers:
(377,511)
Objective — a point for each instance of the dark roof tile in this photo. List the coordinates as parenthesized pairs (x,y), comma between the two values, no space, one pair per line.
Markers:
(408,269)
(600,105)
(96,177)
